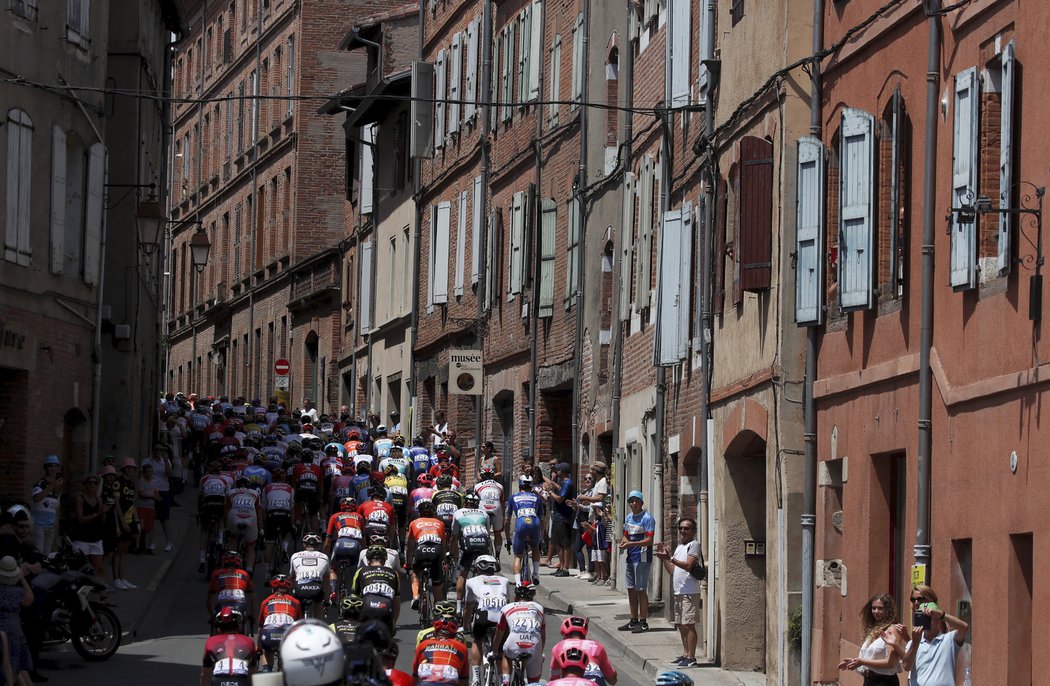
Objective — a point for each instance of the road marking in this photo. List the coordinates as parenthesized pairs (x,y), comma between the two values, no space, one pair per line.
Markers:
(154,583)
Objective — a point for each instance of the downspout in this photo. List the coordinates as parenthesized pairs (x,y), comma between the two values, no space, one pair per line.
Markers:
(162,303)
(581,238)
(482,297)
(417,233)
(809,477)
(933,65)
(194,274)
(249,350)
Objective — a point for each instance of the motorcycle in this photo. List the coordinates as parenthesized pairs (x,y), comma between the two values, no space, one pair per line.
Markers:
(69,612)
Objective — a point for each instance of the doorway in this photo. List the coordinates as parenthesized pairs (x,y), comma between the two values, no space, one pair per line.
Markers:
(310,368)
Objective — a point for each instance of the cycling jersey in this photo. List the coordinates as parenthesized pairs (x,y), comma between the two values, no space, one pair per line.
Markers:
(307,479)
(420,459)
(280,609)
(212,491)
(274,455)
(428,633)
(258,475)
(523,624)
(230,586)
(379,587)
(440,661)
(381,447)
(341,487)
(332,465)
(595,652)
(446,468)
(570,681)
(489,592)
(418,495)
(403,464)
(397,493)
(377,511)
(243,504)
(470,527)
(352,447)
(429,535)
(393,560)
(346,630)
(345,525)
(446,502)
(309,564)
(231,659)
(490,492)
(278,497)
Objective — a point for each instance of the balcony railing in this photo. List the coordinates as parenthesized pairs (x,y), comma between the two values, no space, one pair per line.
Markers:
(314,283)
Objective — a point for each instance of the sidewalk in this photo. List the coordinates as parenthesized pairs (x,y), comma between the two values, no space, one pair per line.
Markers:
(607,609)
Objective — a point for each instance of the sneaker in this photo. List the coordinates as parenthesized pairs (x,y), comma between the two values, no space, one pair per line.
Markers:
(687,662)
(679,660)
(415,603)
(629,626)
(561,573)
(168,548)
(120,585)
(586,577)
(642,627)
(130,586)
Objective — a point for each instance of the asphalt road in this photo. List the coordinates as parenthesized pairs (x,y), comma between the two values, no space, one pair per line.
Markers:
(168,643)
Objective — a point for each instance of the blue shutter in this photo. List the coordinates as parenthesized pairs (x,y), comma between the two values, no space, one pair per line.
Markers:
(964,180)
(1006,155)
(548,238)
(809,232)
(857,191)
(517,239)
(668,288)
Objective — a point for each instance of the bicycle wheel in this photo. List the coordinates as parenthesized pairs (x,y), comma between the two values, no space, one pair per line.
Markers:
(517,672)
(424,603)
(526,567)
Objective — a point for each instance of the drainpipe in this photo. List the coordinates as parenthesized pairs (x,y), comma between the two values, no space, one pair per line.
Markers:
(581,242)
(417,233)
(482,297)
(163,291)
(194,274)
(809,478)
(933,66)
(249,350)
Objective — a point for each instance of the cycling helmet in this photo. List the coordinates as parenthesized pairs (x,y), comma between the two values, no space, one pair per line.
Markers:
(377,539)
(278,474)
(308,456)
(281,582)
(311,540)
(348,505)
(471,499)
(424,480)
(231,558)
(486,564)
(524,591)
(228,619)
(525,481)
(390,470)
(312,655)
(446,627)
(243,482)
(331,449)
(426,508)
(351,606)
(673,678)
(574,658)
(574,625)
(445,609)
(399,441)
(214,467)
(419,441)
(377,492)
(486,473)
(444,481)
(376,552)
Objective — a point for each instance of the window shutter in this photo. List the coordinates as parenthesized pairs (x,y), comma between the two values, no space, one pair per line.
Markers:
(964,179)
(496,76)
(535,49)
(455,81)
(492,258)
(508,72)
(439,96)
(470,87)
(721,212)
(548,237)
(461,242)
(17,246)
(517,228)
(475,232)
(572,262)
(680,52)
(441,254)
(685,257)
(368,135)
(756,213)
(855,201)
(364,308)
(524,42)
(643,274)
(669,288)
(431,257)
(94,215)
(555,78)
(577,61)
(809,230)
(626,245)
(58,198)
(1006,154)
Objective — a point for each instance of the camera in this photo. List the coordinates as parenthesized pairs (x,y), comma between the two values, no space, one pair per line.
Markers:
(920,619)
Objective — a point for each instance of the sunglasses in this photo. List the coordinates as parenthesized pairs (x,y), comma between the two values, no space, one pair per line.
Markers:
(918,600)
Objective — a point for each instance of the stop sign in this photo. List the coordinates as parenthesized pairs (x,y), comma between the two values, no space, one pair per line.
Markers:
(281,367)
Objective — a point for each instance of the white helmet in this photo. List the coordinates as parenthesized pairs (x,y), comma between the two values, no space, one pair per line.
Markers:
(312,655)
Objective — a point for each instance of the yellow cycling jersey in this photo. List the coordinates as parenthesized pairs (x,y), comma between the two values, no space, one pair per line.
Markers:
(396,480)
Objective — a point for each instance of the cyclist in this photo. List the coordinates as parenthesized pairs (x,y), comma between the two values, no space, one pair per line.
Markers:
(381,444)
(344,536)
(306,479)
(446,499)
(574,637)
(393,557)
(572,667)
(273,451)
(486,594)
(230,657)
(490,491)
(277,527)
(378,515)
(424,491)
(312,655)
(331,466)
(276,614)
(525,510)
(230,586)
(257,473)
(243,513)
(211,503)
(349,618)
(520,632)
(442,658)
(396,486)
(379,588)
(425,550)
(342,487)
(419,455)
(396,676)
(444,465)
(470,529)
(447,610)
(309,569)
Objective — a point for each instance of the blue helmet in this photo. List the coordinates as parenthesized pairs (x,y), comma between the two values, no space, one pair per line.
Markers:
(673,678)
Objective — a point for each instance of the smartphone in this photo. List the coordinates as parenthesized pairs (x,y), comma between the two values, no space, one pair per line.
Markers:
(920,619)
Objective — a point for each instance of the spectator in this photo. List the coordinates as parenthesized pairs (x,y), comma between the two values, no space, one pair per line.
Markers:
(935,641)
(638,530)
(146,506)
(46,495)
(581,515)
(15,595)
(490,460)
(19,545)
(91,515)
(123,489)
(600,529)
(686,587)
(309,411)
(877,662)
(163,471)
(440,429)
(395,423)
(562,492)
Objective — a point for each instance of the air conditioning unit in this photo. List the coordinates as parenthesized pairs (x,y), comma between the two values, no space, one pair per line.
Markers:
(122,332)
(107,313)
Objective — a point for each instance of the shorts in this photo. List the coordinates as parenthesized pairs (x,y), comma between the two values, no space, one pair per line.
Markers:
(311,500)
(88,547)
(164,502)
(308,589)
(378,607)
(534,665)
(346,550)
(270,637)
(232,680)
(598,555)
(429,562)
(249,524)
(686,609)
(278,523)
(467,557)
(211,511)
(561,533)
(496,518)
(483,629)
(528,535)
(146,519)
(637,577)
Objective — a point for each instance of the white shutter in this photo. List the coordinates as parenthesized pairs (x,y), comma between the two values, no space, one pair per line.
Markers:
(1006,155)
(964,179)
(524,41)
(577,60)
(555,78)
(491,258)
(455,80)
(572,261)
(475,232)
(535,50)
(470,86)
(627,245)
(668,288)
(706,50)
(93,228)
(461,242)
(441,255)
(857,191)
(685,257)
(680,52)
(809,231)
(508,72)
(439,96)
(496,75)
(548,239)
(517,240)
(364,307)
(644,256)
(367,157)
(431,257)
(58,198)
(17,237)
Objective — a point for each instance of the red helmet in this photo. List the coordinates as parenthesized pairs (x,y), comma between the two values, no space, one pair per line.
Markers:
(281,582)
(574,658)
(425,480)
(231,558)
(444,626)
(348,505)
(574,625)
(228,619)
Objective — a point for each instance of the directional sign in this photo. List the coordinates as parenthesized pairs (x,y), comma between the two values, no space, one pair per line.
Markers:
(281,367)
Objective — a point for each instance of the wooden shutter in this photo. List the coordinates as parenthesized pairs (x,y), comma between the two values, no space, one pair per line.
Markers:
(855,216)
(899,130)
(368,136)
(721,208)
(548,237)
(58,199)
(627,245)
(572,261)
(364,307)
(1006,154)
(455,82)
(440,73)
(470,87)
(475,232)
(809,230)
(644,257)
(756,213)
(517,228)
(680,52)
(555,81)
(461,243)
(94,213)
(17,247)
(493,268)
(441,252)
(685,257)
(963,273)
(672,320)
(508,72)
(577,60)
(535,50)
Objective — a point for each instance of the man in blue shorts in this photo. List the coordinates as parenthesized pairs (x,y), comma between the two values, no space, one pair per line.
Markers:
(638,530)
(525,510)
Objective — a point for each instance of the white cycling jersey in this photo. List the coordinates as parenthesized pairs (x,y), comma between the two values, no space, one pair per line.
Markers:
(489,591)
(213,485)
(393,560)
(279,496)
(309,564)
(490,492)
(243,502)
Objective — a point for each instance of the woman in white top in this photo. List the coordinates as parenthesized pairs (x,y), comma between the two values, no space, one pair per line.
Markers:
(877,662)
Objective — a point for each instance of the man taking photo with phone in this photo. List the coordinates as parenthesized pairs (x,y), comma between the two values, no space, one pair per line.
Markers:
(936,637)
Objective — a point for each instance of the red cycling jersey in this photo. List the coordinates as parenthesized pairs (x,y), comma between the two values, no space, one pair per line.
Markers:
(280,609)
(376,511)
(307,477)
(399,678)
(440,661)
(230,655)
(230,584)
(439,469)
(594,651)
(345,524)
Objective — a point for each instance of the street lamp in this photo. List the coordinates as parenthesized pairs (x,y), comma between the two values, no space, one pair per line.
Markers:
(149,217)
(199,248)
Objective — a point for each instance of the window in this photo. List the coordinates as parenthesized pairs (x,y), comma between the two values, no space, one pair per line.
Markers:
(855,209)
(675,285)
(894,148)
(236,243)
(577,61)
(368,139)
(555,82)
(965,110)
(736,12)
(255,107)
(470,85)
(24,8)
(406,270)
(507,73)
(17,237)
(529,52)
(78,22)
(475,231)
(275,91)
(455,78)
(721,221)
(810,229)
(756,213)
(548,255)
(440,87)
(240,118)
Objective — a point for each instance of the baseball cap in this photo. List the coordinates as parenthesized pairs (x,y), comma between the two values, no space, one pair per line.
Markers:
(563,467)
(52,459)
(599,465)
(635,494)
(128,462)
